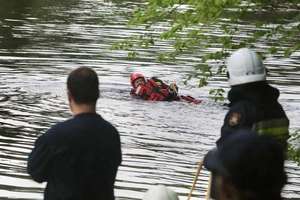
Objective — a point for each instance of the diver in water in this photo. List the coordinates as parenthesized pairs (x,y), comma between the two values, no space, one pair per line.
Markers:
(154,89)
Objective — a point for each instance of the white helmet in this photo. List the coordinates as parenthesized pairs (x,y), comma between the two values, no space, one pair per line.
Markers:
(244,66)
(160,192)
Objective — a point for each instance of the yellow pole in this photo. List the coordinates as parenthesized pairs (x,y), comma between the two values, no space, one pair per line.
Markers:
(209,187)
(195,179)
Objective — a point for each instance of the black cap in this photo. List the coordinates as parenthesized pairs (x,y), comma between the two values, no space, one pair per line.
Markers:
(251,162)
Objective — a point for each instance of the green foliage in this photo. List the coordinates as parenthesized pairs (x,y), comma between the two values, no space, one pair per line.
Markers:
(217,94)
(132,55)
(293,150)
(184,24)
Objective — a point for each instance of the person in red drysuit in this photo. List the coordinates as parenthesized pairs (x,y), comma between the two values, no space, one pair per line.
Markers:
(154,89)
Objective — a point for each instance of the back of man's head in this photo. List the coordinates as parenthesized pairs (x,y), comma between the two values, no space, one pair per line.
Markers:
(83,85)
(253,164)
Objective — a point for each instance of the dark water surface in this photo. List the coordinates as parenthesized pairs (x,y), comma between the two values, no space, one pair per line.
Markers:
(42,41)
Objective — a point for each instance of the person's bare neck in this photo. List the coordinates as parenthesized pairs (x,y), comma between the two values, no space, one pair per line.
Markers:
(83,108)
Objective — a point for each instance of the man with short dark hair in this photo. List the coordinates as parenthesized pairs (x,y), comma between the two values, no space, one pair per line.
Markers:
(78,158)
(247,167)
(83,86)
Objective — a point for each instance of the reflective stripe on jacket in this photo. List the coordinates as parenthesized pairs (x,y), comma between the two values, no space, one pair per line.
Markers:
(255,106)
(277,128)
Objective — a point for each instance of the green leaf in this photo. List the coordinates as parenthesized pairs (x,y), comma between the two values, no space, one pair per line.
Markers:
(217,94)
(132,55)
(273,50)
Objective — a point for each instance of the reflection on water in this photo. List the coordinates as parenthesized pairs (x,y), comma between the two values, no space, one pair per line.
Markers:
(41,41)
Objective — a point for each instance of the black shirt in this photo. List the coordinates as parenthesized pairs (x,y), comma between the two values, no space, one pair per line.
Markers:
(78,159)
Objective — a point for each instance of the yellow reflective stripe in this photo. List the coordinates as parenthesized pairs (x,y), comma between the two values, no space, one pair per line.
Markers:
(278,128)
(278,131)
(282,122)
(274,131)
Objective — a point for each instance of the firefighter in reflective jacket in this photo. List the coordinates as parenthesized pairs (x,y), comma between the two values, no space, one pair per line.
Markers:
(253,102)
(152,89)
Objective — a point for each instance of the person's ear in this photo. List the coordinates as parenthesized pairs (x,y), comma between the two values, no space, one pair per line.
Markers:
(70,97)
